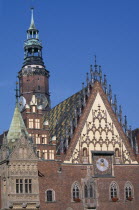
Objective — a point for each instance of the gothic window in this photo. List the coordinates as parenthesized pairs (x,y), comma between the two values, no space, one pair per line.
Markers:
(37,139)
(89,190)
(128,191)
(44,139)
(85,191)
(84,152)
(37,123)
(75,191)
(50,196)
(39,87)
(51,154)
(31,123)
(113,190)
(19,185)
(28,186)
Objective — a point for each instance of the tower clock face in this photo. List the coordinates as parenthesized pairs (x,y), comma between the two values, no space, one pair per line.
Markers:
(42,101)
(102,164)
(21,103)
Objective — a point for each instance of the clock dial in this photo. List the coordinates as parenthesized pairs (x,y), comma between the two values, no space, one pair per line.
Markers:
(21,103)
(42,101)
(102,164)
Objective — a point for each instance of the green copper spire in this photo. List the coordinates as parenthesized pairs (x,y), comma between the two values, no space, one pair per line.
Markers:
(32,24)
(33,46)
(17,127)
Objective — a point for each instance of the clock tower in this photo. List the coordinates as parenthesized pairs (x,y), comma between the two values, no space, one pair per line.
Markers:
(33,77)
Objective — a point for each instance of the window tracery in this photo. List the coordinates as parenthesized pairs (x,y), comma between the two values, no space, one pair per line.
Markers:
(114,192)
(75,191)
(128,191)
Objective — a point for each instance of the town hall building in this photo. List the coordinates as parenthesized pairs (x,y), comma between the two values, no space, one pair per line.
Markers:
(77,155)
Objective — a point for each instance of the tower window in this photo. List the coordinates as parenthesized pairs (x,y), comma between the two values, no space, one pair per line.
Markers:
(31,123)
(44,155)
(37,123)
(51,154)
(37,139)
(38,153)
(44,139)
(39,88)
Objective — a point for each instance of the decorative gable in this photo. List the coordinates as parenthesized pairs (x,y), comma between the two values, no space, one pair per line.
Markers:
(23,150)
(100,133)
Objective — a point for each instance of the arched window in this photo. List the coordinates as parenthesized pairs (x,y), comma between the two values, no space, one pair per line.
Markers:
(84,152)
(50,195)
(91,191)
(113,190)
(75,191)
(117,153)
(128,191)
(85,191)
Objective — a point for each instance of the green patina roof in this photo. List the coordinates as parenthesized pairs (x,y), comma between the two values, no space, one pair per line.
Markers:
(17,126)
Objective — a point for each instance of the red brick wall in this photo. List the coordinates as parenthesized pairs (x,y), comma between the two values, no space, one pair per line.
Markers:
(61,183)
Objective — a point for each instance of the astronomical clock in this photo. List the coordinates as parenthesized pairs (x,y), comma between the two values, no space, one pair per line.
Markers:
(102,162)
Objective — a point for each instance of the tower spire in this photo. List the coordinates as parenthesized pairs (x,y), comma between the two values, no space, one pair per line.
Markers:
(33,46)
(32,24)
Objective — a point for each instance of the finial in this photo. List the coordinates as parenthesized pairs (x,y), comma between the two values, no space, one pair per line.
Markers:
(110,94)
(125,123)
(95,60)
(16,91)
(105,84)
(100,74)
(120,114)
(95,63)
(32,24)
(87,78)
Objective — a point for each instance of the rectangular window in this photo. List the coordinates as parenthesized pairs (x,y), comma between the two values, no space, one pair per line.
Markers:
(37,139)
(44,154)
(37,123)
(31,123)
(19,185)
(44,139)
(28,186)
(51,154)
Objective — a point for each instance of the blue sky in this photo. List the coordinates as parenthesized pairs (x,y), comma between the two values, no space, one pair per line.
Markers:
(72,31)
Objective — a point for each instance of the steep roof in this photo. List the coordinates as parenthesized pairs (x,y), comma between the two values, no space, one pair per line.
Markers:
(17,126)
(61,116)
